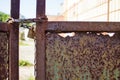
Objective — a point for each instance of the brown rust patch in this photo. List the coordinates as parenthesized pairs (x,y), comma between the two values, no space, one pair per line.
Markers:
(82,57)
(3,56)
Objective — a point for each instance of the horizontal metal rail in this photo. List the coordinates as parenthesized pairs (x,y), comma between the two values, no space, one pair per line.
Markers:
(61,26)
(11,20)
(4,26)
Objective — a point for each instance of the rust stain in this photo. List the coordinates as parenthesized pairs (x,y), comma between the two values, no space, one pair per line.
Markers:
(3,56)
(82,57)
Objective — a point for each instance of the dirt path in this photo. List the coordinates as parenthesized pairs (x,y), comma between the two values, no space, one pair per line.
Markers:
(27,53)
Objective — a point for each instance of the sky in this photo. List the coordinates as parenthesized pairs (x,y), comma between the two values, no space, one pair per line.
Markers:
(28,7)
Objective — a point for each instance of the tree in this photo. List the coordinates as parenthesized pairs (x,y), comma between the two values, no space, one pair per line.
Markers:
(3,17)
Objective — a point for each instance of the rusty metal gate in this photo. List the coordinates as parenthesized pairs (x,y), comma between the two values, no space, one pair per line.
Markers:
(91,54)
(9,37)
(3,53)
(8,52)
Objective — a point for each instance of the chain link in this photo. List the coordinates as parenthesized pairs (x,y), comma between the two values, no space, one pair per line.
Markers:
(11,20)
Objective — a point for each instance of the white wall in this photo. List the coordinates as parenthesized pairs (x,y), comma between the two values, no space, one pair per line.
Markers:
(91,10)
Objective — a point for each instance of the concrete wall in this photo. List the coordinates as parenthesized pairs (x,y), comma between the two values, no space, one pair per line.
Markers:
(91,10)
(55,17)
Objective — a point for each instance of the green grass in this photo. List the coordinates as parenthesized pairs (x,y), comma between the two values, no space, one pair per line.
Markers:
(25,63)
(22,43)
(31,78)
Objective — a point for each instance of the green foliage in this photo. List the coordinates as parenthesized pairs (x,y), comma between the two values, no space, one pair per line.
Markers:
(31,78)
(3,17)
(25,63)
(22,43)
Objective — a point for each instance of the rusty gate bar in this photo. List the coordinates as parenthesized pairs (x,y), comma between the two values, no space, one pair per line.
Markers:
(4,27)
(40,9)
(14,42)
(40,42)
(59,26)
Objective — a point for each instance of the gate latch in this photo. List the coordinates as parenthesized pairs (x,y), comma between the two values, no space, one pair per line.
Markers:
(31,33)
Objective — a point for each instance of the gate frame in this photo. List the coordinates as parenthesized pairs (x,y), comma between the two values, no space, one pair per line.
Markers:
(40,41)
(14,42)
(53,26)
(62,26)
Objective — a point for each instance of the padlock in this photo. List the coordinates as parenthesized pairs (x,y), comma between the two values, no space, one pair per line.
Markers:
(31,33)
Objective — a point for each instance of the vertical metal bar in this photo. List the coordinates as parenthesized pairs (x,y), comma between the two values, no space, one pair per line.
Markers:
(40,41)
(14,42)
(40,11)
(108,10)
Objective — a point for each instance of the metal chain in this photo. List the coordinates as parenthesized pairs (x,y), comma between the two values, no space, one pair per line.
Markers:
(24,26)
(11,20)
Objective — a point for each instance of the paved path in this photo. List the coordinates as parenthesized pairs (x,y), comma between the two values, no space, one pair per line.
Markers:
(27,53)
(26,73)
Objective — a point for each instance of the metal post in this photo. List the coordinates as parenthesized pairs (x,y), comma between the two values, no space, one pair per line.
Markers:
(40,11)
(14,42)
(40,41)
